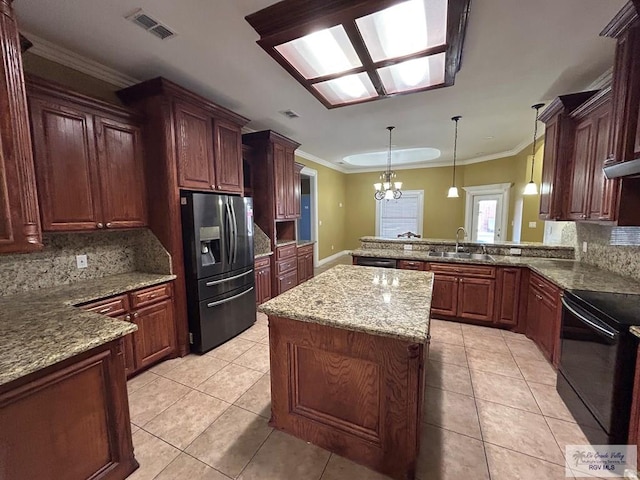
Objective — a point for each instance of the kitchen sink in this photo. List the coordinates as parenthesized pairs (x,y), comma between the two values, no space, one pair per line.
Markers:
(462,255)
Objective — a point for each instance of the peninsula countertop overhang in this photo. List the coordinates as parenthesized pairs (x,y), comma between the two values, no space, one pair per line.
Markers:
(377,301)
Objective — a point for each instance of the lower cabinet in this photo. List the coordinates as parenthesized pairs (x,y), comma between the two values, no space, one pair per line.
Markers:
(262,271)
(286,265)
(463,291)
(544,310)
(152,310)
(508,296)
(305,263)
(411,265)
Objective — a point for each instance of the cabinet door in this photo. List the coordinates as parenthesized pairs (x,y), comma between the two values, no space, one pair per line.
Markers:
(66,166)
(228,161)
(265,284)
(308,258)
(287,281)
(129,349)
(475,298)
(194,144)
(297,188)
(580,173)
(302,269)
(508,298)
(531,329)
(155,337)
(603,191)
(546,326)
(548,170)
(280,180)
(445,296)
(289,178)
(121,173)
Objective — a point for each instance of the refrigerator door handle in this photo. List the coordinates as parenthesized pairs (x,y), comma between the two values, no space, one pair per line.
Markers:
(235,233)
(228,221)
(220,302)
(216,282)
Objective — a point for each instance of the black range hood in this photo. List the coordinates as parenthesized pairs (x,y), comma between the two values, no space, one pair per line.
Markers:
(623,169)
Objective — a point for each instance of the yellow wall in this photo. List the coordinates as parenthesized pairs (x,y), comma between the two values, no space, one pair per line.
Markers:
(332,208)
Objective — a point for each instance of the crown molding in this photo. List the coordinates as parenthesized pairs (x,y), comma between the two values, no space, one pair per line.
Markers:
(45,49)
(321,161)
(602,81)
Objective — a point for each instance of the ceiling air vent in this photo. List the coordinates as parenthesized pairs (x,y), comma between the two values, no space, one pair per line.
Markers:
(150,25)
(290,114)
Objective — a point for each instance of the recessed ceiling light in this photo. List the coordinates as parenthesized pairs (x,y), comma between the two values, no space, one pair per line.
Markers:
(347,52)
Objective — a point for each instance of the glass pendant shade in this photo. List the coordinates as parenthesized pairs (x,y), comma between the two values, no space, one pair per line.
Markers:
(530,189)
(453,193)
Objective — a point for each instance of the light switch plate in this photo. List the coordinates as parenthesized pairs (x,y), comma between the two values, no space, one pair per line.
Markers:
(584,247)
(408,247)
(81,261)
(515,251)
(533,224)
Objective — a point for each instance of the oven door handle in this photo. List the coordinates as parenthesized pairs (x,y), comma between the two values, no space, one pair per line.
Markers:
(583,317)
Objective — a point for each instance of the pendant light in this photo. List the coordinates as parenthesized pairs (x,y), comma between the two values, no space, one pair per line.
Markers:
(453,191)
(387,189)
(532,188)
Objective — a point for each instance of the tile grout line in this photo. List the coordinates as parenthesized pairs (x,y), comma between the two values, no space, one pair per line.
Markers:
(256,452)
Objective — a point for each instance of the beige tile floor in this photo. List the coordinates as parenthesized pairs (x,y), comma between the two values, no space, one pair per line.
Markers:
(491,412)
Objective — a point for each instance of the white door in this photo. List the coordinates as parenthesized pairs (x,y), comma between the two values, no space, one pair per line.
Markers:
(486,220)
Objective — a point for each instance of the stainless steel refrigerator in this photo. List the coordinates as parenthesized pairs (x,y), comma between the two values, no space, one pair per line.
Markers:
(217,232)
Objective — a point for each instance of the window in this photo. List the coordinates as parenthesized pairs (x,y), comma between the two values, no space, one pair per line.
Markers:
(394,217)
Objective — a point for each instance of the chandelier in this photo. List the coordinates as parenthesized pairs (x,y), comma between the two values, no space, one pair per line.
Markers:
(388,189)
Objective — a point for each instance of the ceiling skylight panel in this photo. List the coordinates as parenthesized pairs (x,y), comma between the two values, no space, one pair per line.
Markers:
(347,89)
(413,74)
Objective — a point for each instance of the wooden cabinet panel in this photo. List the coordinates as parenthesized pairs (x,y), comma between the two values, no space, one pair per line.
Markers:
(111,307)
(302,269)
(121,173)
(543,316)
(129,349)
(263,280)
(289,184)
(445,296)
(533,317)
(603,194)
(476,298)
(508,296)
(157,326)
(194,147)
(411,265)
(286,251)
(72,422)
(280,180)
(143,297)
(286,265)
(228,157)
(305,263)
(297,168)
(66,168)
(580,172)
(548,208)
(287,281)
(546,325)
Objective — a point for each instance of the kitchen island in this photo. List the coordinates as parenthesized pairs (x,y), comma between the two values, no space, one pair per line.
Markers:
(348,352)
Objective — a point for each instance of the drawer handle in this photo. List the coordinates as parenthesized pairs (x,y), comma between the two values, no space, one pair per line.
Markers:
(541,285)
(105,310)
(152,295)
(127,318)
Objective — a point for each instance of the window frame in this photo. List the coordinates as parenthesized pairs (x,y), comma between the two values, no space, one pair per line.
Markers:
(405,193)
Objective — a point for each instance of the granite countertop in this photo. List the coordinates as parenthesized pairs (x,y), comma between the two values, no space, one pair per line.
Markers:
(302,243)
(377,301)
(282,243)
(635,330)
(42,327)
(260,255)
(449,241)
(567,274)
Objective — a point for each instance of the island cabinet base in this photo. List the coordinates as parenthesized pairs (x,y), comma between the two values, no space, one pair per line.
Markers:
(357,395)
(69,421)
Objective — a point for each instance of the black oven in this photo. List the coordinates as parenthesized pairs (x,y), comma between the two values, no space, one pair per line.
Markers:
(597,361)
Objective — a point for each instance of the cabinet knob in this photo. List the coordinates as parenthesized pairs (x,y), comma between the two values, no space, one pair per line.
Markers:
(135,314)
(127,318)
(213,187)
(109,225)
(100,225)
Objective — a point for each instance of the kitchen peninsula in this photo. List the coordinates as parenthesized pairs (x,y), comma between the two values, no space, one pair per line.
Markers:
(348,352)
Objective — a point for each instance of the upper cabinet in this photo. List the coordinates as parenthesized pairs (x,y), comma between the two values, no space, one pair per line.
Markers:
(625,27)
(88,159)
(208,138)
(274,162)
(19,219)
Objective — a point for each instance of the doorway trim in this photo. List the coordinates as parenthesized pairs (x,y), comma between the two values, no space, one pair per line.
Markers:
(493,189)
(313,181)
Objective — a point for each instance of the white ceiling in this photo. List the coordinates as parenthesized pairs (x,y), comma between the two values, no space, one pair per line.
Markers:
(516,53)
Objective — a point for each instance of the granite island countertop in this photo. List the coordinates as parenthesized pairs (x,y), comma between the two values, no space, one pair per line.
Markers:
(377,301)
(567,274)
(43,327)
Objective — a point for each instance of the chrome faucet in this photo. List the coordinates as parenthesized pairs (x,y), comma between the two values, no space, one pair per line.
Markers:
(464,234)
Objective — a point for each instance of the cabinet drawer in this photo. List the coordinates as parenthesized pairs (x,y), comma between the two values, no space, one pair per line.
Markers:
(286,265)
(464,270)
(411,265)
(287,281)
(286,251)
(112,306)
(261,262)
(150,295)
(546,288)
(305,250)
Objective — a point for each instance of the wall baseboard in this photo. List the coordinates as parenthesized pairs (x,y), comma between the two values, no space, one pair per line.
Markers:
(333,257)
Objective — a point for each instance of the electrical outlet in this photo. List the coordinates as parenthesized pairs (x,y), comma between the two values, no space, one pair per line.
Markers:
(81,261)
(533,224)
(319,223)
(408,247)
(340,204)
(584,247)
(331,247)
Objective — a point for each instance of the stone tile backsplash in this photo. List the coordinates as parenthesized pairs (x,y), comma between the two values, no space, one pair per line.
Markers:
(108,253)
(261,242)
(616,249)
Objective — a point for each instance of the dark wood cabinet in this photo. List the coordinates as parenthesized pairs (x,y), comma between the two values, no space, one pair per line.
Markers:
(280,171)
(228,151)
(544,310)
(508,284)
(168,108)
(71,419)
(194,145)
(263,279)
(88,158)
(581,171)
(411,265)
(152,310)
(305,263)
(286,268)
(463,291)
(297,196)
(19,213)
